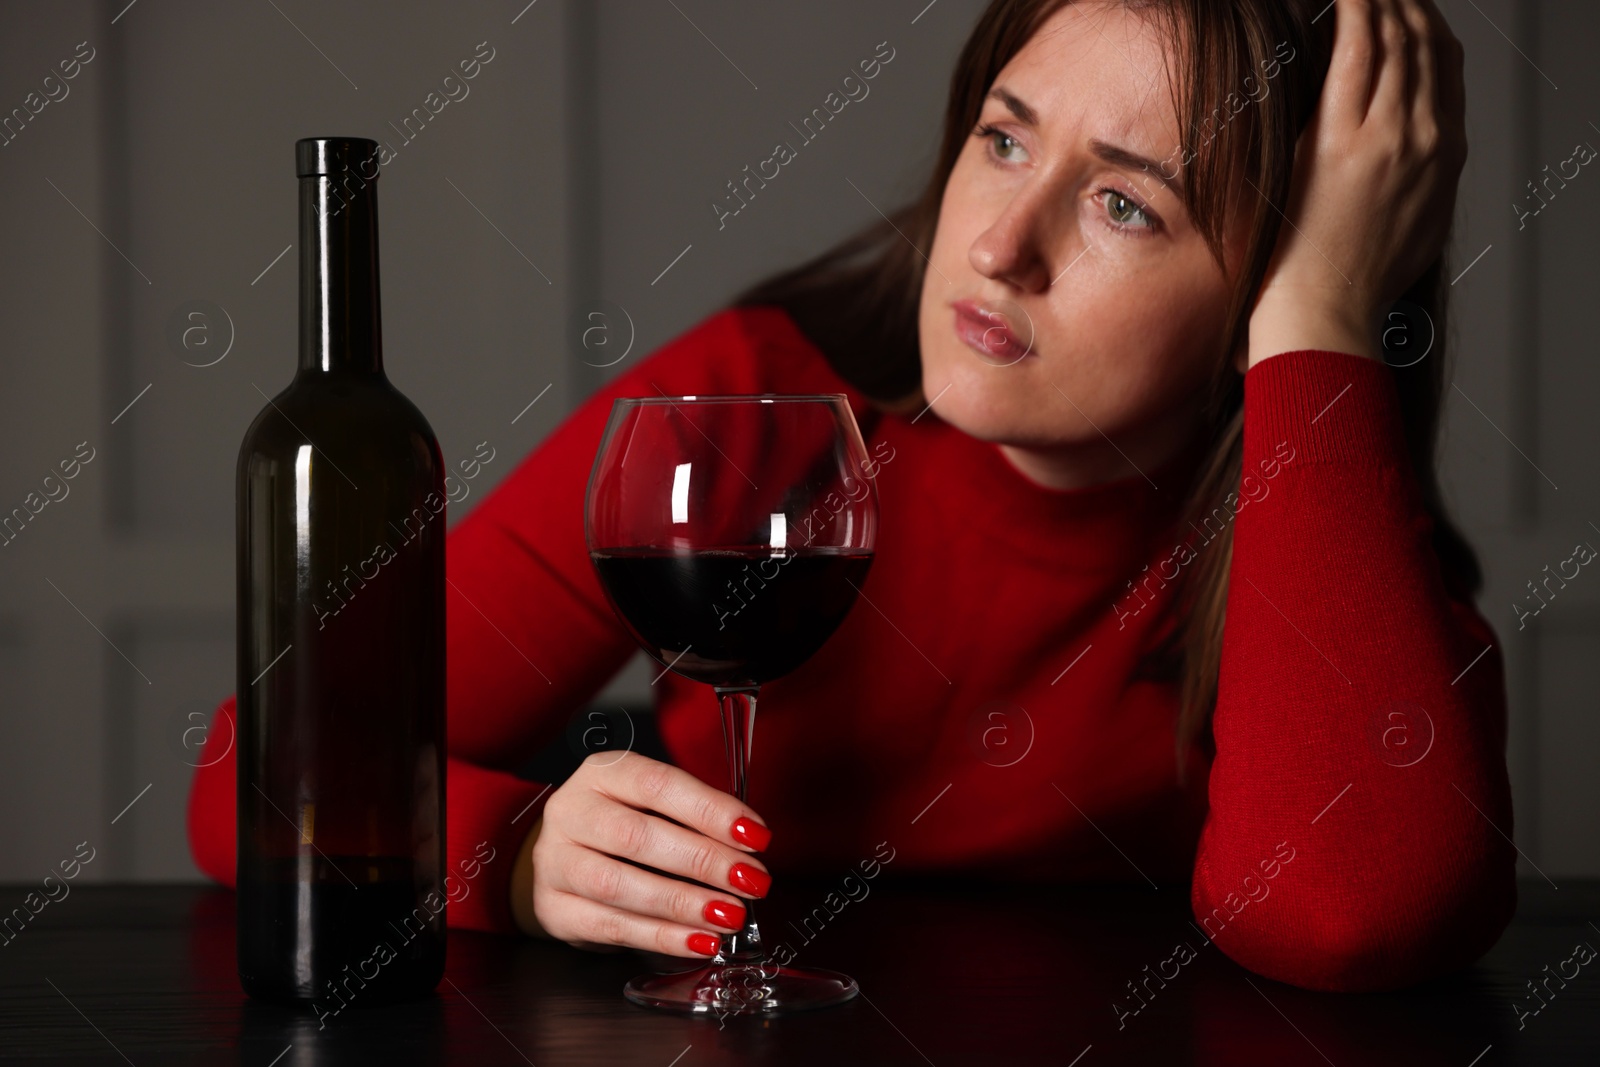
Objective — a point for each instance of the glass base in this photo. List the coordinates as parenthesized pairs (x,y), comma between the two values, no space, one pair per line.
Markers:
(742,989)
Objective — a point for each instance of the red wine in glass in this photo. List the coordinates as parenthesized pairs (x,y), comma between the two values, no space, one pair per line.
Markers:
(731,535)
(716,617)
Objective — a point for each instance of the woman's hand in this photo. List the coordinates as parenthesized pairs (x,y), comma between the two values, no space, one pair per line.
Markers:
(1374,184)
(586,889)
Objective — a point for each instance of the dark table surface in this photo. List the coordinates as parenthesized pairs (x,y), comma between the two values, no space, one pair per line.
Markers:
(950,974)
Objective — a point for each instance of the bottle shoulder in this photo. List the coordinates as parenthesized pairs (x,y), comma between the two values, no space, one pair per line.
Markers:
(365,419)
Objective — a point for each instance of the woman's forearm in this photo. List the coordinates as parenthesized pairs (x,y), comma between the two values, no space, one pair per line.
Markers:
(1360,719)
(1298,322)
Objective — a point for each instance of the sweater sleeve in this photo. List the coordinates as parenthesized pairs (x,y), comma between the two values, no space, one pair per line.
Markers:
(1358,836)
(529,635)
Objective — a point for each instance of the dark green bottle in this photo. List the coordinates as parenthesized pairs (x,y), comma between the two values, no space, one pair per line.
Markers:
(341,655)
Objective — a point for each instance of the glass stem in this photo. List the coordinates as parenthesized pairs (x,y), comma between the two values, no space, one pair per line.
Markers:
(738,705)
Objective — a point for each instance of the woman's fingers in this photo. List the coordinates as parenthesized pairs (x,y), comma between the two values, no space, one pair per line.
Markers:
(619,830)
(581,921)
(605,880)
(650,785)
(1450,85)
(1425,110)
(1353,65)
(1391,102)
(600,831)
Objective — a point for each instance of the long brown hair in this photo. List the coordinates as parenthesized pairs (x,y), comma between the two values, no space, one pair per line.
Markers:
(858,301)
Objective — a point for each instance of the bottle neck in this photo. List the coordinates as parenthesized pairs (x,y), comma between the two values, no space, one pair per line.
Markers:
(340,327)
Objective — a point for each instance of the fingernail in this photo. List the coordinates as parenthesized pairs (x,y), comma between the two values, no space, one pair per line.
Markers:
(704,944)
(726,914)
(749,832)
(752,880)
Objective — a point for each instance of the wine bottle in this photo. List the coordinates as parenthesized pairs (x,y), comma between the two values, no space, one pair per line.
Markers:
(341,656)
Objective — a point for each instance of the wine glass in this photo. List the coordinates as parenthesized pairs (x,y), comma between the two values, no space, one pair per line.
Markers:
(731,535)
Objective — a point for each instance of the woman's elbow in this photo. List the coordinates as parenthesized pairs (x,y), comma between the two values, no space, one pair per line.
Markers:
(1373,943)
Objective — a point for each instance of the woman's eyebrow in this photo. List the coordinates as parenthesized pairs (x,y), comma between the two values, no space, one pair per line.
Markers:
(1118,156)
(1023,112)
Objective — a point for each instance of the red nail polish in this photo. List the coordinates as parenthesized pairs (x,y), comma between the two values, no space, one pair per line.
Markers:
(752,880)
(749,832)
(704,944)
(726,914)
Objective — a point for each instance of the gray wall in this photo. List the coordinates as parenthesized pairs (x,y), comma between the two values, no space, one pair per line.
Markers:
(582,164)
(1520,435)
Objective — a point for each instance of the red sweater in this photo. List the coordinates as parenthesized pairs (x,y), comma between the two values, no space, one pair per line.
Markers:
(979,709)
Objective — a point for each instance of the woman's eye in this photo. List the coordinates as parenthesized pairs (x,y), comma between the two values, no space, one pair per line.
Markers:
(1003,144)
(1124,211)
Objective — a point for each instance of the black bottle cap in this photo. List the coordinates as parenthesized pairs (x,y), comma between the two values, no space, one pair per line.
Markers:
(335,155)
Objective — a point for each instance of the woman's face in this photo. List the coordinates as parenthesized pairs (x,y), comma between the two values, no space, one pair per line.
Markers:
(1068,299)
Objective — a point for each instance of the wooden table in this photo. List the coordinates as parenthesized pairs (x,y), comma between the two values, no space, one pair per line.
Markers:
(950,974)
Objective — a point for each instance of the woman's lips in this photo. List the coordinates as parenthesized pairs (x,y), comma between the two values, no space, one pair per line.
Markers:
(987,332)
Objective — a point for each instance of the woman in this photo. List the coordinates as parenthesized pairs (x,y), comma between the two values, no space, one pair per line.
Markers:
(1114,401)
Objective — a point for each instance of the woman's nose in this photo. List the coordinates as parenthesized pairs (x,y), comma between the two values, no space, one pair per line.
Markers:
(1010,249)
